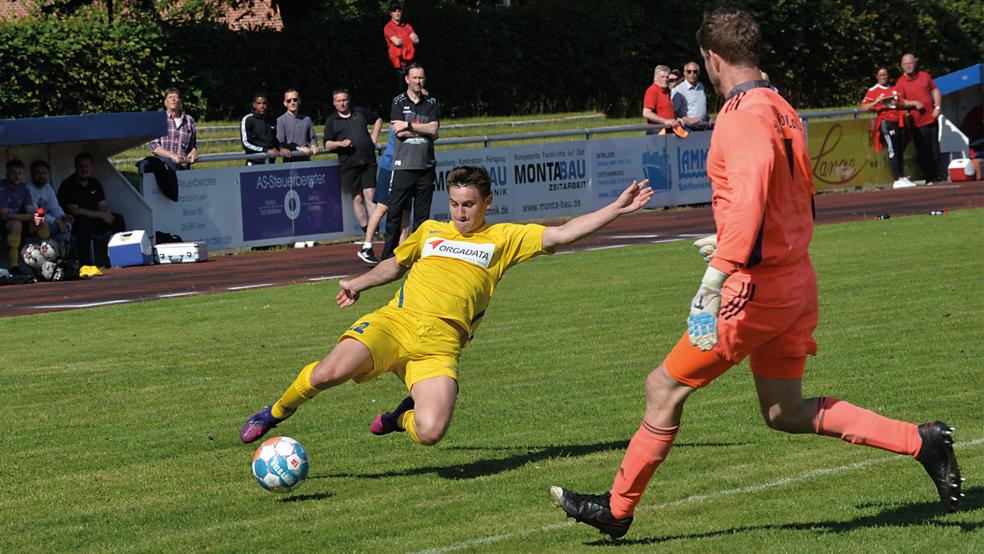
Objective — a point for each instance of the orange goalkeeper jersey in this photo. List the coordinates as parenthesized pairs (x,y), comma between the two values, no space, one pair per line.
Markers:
(761,179)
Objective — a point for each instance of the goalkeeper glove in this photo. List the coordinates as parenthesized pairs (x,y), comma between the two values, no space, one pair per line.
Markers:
(704,308)
(706,247)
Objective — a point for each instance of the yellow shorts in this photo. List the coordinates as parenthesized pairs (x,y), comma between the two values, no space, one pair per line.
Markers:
(414,347)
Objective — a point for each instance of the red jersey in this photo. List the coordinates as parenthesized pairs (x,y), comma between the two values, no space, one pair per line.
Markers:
(919,87)
(399,55)
(658,100)
(761,182)
(885,113)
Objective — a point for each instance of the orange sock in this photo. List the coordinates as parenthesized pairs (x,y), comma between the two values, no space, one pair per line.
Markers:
(836,418)
(647,449)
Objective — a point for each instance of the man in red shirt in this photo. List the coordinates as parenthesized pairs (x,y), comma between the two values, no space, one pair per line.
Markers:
(917,85)
(400,42)
(758,296)
(657,106)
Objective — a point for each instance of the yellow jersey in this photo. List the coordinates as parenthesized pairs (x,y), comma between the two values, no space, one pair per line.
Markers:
(452,276)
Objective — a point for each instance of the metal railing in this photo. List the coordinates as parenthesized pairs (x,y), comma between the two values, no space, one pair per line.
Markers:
(488,140)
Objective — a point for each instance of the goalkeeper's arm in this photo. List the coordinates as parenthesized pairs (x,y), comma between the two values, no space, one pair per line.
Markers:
(704,308)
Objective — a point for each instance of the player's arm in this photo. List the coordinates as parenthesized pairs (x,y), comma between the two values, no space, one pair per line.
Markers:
(386,271)
(937,102)
(631,199)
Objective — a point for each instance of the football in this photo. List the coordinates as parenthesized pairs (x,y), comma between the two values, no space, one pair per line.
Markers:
(280,464)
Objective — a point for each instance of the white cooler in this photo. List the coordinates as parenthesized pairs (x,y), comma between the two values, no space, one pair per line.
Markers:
(129,248)
(181,252)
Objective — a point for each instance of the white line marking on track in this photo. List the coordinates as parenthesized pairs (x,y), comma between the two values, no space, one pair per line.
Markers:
(695,234)
(86,305)
(661,241)
(326,277)
(609,247)
(634,236)
(244,287)
(177,294)
(690,499)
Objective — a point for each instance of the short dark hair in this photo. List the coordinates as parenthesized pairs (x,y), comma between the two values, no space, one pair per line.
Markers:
(732,34)
(395,6)
(172,90)
(260,94)
(341,91)
(286,92)
(14,163)
(82,156)
(39,163)
(470,176)
(414,65)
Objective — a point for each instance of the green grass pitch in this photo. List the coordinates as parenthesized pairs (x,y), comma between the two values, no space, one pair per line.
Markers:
(120,423)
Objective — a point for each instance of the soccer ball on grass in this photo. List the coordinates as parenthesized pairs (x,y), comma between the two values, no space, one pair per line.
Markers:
(280,464)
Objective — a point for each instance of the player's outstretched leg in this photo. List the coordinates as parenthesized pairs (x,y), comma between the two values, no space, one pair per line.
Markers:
(348,358)
(936,455)
(593,509)
(385,424)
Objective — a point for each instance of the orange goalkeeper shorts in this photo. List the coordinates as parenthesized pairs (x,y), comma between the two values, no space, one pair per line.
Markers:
(767,316)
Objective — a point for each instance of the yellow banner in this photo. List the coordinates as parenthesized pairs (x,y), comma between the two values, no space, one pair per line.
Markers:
(844,157)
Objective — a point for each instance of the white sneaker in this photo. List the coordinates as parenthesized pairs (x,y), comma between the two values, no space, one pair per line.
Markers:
(902,183)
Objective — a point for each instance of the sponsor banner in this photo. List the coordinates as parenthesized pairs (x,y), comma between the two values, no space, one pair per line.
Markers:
(205,211)
(290,203)
(689,167)
(843,155)
(616,162)
(550,180)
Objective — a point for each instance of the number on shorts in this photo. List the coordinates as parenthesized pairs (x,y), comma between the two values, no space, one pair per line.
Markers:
(359,327)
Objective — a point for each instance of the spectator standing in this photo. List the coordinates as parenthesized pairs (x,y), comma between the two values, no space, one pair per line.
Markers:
(258,130)
(657,106)
(886,100)
(82,196)
(918,86)
(346,133)
(17,211)
(414,117)
(178,149)
(689,98)
(400,44)
(295,130)
(43,196)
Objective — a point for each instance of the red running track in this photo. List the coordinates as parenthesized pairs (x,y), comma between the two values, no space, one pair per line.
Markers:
(266,268)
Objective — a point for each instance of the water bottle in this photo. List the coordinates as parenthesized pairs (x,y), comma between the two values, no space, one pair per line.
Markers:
(937,212)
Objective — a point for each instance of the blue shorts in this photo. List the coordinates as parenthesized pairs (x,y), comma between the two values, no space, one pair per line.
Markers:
(382,194)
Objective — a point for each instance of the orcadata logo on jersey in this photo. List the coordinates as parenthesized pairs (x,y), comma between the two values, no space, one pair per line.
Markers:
(478,254)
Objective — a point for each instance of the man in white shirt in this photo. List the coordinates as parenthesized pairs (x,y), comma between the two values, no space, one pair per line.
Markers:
(689,99)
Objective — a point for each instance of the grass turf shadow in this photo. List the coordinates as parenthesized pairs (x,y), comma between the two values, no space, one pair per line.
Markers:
(493,466)
(306,497)
(894,515)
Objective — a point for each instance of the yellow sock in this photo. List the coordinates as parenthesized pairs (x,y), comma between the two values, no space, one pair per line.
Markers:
(13,241)
(406,422)
(299,392)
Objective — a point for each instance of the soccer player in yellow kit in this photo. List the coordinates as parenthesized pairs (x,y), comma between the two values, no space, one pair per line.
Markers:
(758,297)
(453,270)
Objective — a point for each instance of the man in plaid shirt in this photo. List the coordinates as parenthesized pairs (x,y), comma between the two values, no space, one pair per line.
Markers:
(179,147)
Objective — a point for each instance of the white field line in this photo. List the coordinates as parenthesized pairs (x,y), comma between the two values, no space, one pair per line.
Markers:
(690,499)
(634,236)
(326,277)
(177,294)
(244,287)
(661,241)
(72,306)
(608,247)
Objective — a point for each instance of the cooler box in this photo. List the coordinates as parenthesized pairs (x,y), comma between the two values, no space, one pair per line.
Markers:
(181,252)
(129,248)
(965,169)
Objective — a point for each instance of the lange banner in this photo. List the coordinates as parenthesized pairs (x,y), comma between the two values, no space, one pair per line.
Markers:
(843,155)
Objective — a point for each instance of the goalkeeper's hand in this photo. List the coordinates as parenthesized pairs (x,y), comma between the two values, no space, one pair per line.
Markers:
(706,247)
(704,308)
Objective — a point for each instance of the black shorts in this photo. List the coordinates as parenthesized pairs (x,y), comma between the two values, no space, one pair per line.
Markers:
(358,178)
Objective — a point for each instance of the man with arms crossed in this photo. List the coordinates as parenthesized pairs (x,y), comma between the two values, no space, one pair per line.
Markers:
(414,118)
(758,297)
(453,270)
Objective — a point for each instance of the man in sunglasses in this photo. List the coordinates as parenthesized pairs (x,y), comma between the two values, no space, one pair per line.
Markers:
(689,99)
(295,130)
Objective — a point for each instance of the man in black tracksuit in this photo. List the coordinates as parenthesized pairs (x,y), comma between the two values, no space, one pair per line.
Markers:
(258,131)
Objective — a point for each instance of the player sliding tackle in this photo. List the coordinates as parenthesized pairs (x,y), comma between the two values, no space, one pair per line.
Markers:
(453,270)
(758,296)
